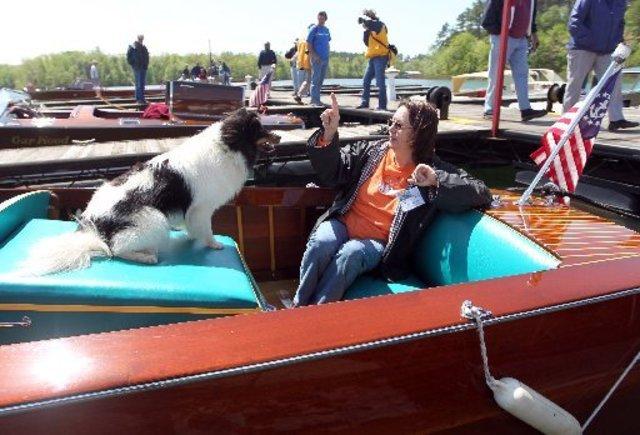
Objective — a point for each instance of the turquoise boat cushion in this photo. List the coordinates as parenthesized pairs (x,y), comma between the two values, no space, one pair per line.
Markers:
(16,211)
(462,247)
(472,246)
(188,275)
(368,285)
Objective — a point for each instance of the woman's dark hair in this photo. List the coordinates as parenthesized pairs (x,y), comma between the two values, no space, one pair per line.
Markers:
(423,118)
(370,13)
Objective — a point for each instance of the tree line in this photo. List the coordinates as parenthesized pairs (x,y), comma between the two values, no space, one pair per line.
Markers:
(460,47)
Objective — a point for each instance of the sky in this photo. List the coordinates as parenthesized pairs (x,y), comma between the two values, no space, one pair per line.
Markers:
(35,27)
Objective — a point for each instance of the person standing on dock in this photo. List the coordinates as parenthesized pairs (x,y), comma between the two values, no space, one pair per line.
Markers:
(94,76)
(138,59)
(266,61)
(595,29)
(377,43)
(522,32)
(292,56)
(225,74)
(303,64)
(318,41)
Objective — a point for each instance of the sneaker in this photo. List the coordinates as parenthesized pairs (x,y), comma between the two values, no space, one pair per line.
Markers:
(362,106)
(317,103)
(621,124)
(298,99)
(487,115)
(529,114)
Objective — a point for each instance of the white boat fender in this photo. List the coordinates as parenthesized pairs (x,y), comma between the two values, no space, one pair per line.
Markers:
(518,399)
(533,408)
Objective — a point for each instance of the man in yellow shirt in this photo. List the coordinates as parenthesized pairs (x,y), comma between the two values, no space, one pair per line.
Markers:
(377,42)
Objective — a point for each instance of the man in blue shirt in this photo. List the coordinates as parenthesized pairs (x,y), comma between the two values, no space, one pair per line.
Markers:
(318,40)
(595,29)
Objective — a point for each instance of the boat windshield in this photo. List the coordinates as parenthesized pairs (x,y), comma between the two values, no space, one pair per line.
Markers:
(7,97)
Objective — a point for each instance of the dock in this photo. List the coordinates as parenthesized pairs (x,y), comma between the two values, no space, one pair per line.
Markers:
(465,124)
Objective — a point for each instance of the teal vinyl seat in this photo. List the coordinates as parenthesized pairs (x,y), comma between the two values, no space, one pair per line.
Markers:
(463,247)
(189,282)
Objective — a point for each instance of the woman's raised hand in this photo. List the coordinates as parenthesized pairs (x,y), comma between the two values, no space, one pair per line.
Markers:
(330,119)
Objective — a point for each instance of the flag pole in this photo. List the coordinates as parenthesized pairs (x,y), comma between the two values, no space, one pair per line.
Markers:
(619,55)
(502,59)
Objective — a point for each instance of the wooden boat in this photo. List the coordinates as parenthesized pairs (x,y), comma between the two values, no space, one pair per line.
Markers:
(70,93)
(192,107)
(563,284)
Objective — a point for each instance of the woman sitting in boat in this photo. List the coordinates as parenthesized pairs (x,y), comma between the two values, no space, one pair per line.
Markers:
(390,191)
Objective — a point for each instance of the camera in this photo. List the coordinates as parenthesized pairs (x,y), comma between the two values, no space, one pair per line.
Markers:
(361,20)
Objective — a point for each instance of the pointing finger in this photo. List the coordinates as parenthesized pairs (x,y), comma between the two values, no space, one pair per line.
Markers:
(334,102)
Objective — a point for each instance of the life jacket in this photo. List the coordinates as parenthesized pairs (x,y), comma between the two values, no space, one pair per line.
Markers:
(375,48)
(304,60)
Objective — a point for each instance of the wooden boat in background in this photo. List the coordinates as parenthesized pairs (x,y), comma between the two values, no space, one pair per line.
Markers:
(192,107)
(108,92)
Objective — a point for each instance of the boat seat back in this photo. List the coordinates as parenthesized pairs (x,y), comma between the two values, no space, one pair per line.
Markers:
(473,246)
(189,282)
(18,210)
(83,112)
(463,247)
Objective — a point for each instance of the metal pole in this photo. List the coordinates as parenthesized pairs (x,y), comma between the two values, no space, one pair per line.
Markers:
(502,58)
(567,133)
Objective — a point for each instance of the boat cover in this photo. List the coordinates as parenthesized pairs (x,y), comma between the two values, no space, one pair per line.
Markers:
(463,247)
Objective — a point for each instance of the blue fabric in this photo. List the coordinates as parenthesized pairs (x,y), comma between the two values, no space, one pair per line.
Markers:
(471,246)
(596,25)
(319,37)
(368,285)
(518,58)
(16,211)
(187,275)
(375,67)
(462,247)
(332,262)
(318,71)
(141,78)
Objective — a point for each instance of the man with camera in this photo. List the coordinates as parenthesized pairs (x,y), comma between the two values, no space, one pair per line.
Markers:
(375,38)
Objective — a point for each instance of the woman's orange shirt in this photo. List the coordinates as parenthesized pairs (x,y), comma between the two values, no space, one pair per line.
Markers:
(371,214)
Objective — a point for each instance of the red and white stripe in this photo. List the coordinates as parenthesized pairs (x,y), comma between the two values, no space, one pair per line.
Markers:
(567,166)
(260,95)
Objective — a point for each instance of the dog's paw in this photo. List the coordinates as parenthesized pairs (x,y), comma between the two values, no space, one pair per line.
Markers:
(214,244)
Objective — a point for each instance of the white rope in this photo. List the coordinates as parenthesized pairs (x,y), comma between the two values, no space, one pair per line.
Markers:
(611,391)
(472,312)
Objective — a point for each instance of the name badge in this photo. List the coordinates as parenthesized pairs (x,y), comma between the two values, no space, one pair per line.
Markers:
(410,198)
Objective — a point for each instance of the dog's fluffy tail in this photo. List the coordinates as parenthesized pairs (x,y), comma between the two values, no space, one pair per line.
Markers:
(64,252)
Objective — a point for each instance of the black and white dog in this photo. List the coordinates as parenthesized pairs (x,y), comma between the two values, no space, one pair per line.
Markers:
(130,216)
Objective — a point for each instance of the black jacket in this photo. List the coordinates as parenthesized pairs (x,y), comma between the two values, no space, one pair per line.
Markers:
(138,56)
(267,57)
(348,168)
(492,18)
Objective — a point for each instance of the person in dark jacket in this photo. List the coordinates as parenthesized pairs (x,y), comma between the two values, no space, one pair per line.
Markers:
(138,59)
(522,31)
(595,29)
(389,192)
(266,59)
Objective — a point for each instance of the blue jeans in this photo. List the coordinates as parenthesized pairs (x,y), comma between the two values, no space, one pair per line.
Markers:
(318,71)
(296,79)
(375,67)
(141,78)
(332,262)
(517,56)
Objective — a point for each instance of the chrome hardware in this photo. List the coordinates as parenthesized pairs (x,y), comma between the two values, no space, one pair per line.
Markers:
(470,311)
(24,323)
(496,201)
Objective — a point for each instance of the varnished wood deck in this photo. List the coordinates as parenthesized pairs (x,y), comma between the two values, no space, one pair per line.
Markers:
(573,235)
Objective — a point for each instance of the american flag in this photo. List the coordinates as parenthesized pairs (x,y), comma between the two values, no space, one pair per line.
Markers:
(572,158)
(260,94)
